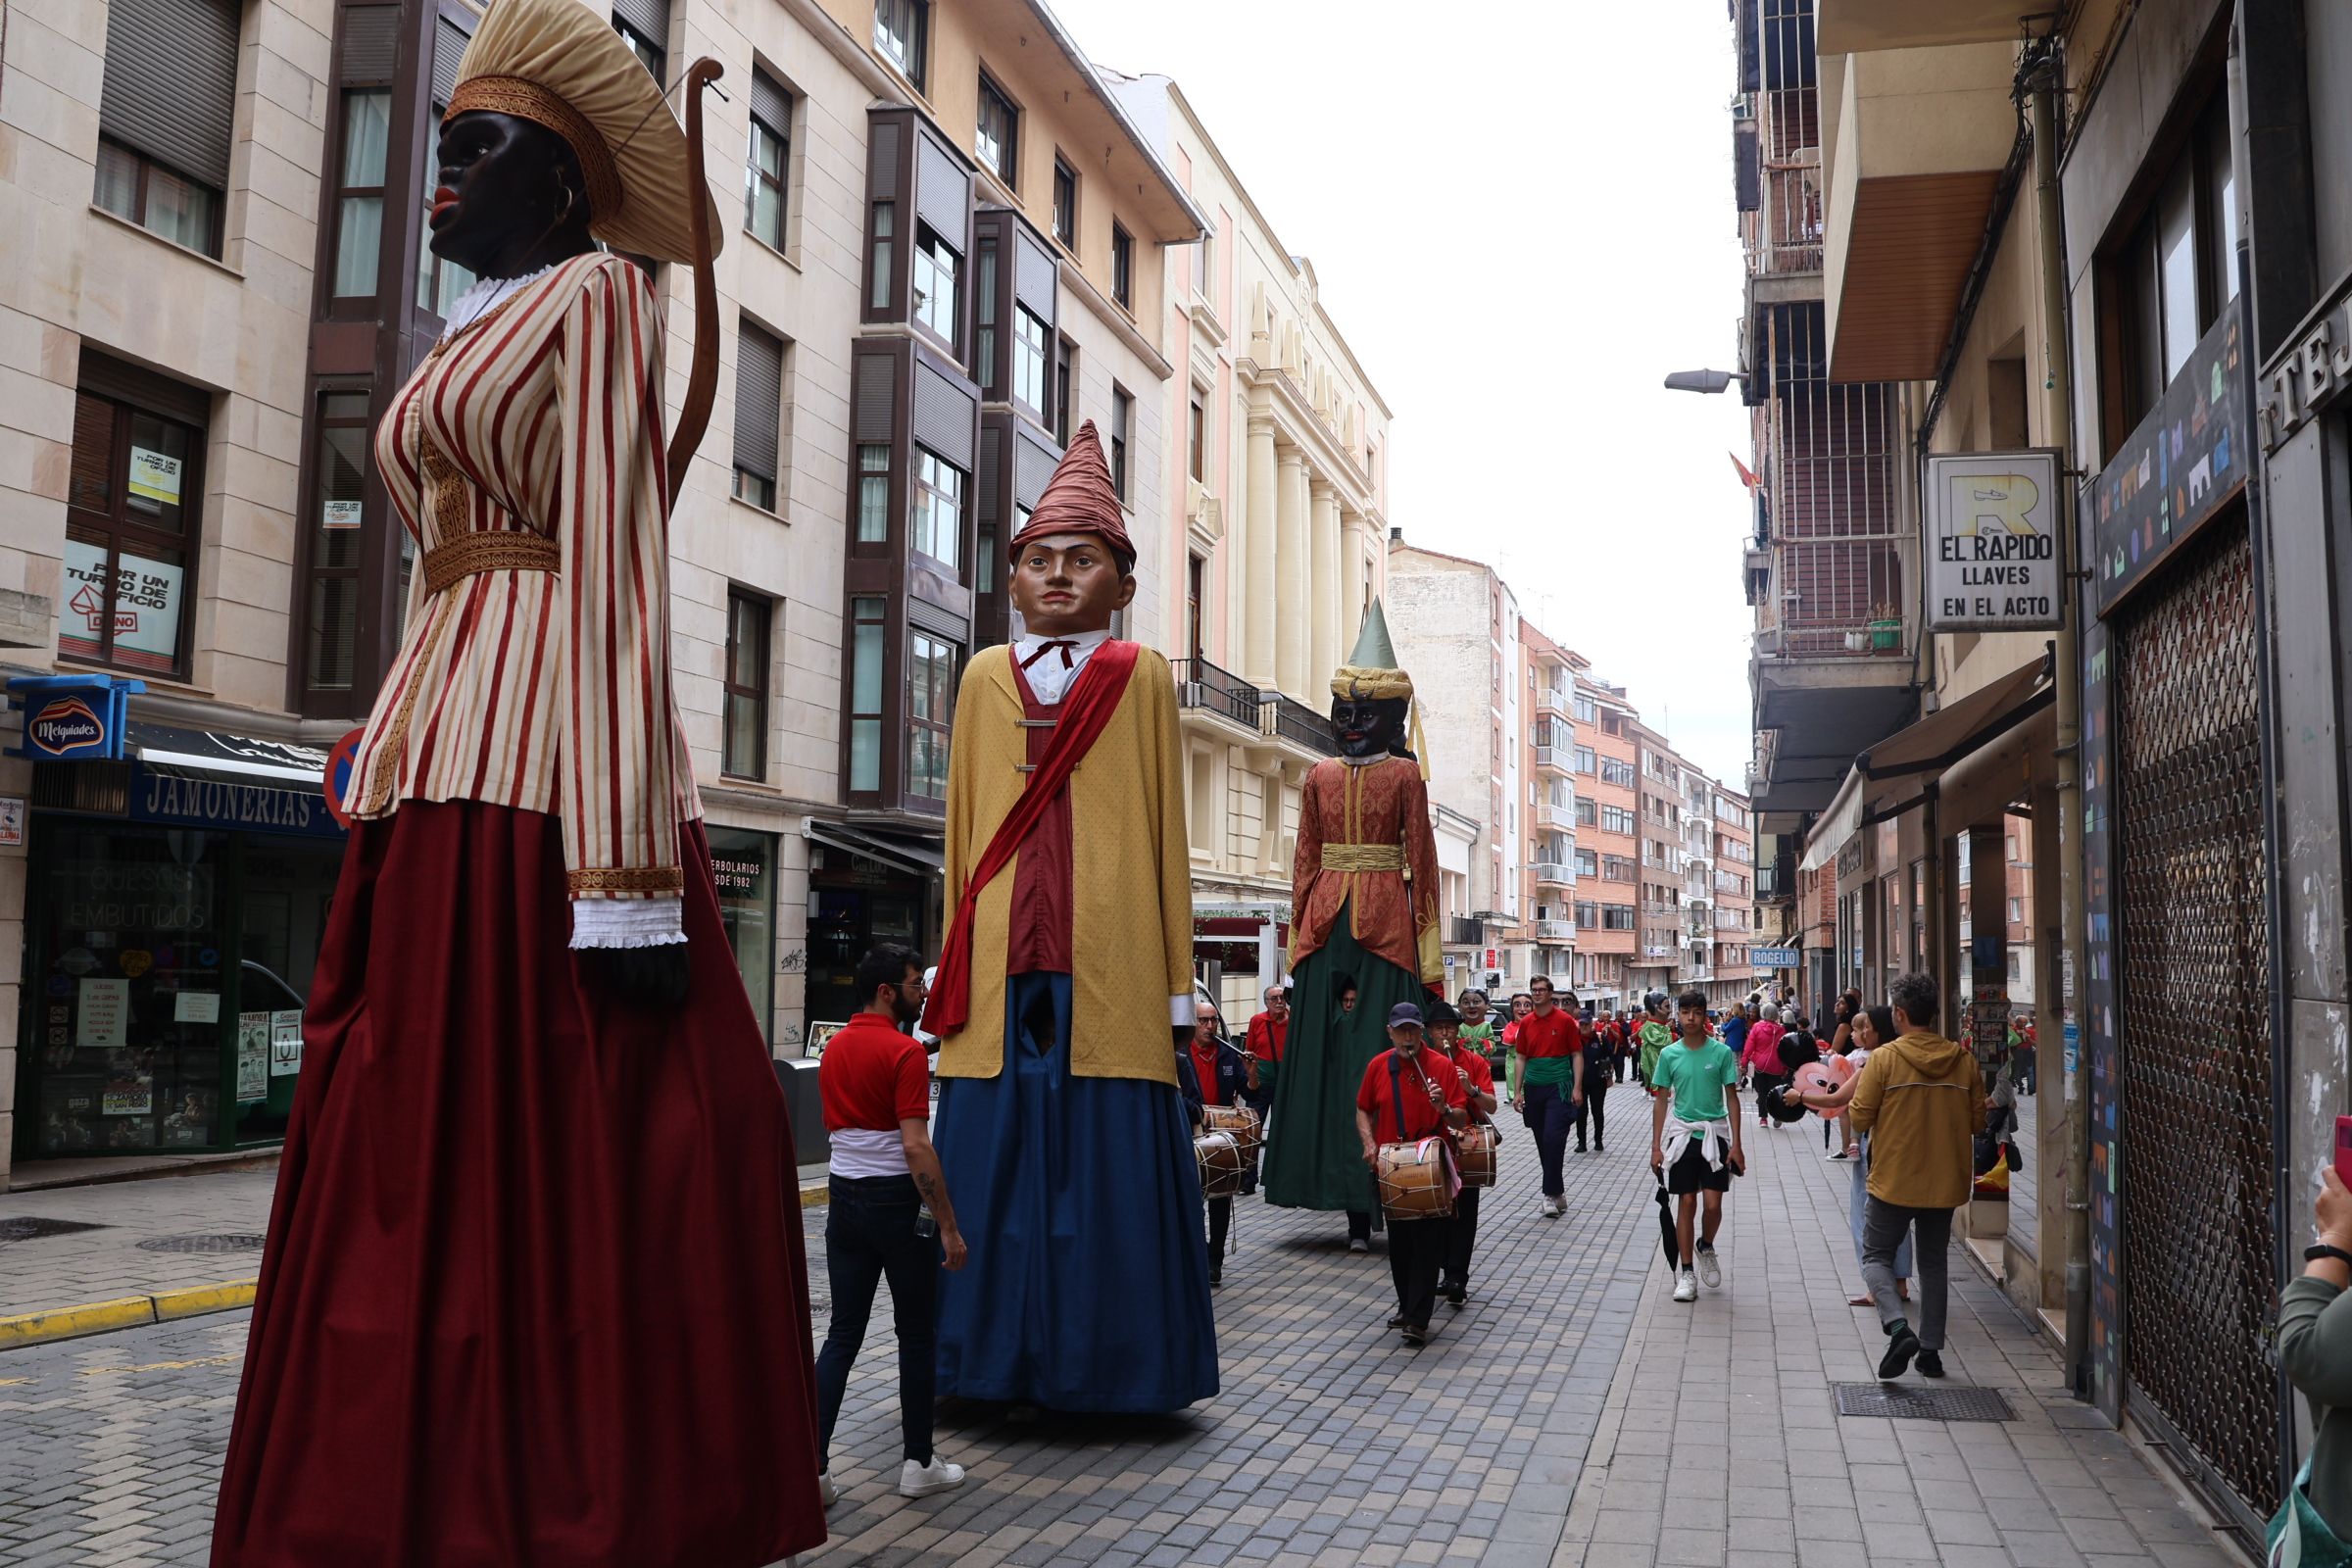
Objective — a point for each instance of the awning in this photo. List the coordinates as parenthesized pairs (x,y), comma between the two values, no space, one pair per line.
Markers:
(1912,757)
(903,853)
(211,754)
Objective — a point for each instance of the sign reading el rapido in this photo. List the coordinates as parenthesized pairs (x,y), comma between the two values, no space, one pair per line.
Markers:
(1993,540)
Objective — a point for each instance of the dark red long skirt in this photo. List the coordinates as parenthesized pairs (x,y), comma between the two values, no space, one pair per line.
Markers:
(534,1295)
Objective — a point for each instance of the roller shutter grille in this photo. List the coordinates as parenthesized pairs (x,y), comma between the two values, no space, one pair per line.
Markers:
(758,399)
(171,83)
(944,416)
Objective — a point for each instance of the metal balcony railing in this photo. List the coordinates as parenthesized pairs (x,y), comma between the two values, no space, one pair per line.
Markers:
(1301,725)
(1202,685)
(1782,235)
(1557,758)
(1461,931)
(1553,873)
(1555,930)
(1562,817)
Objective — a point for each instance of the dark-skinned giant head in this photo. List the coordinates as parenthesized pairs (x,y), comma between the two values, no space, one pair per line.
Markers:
(1371,697)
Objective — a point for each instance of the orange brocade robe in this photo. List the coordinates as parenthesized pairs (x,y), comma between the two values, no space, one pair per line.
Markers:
(1381,805)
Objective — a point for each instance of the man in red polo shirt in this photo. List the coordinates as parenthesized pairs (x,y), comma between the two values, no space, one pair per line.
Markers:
(1268,1032)
(1410,1092)
(890,1215)
(1549,1048)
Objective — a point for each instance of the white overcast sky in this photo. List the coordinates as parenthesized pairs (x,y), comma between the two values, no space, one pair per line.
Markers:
(1520,213)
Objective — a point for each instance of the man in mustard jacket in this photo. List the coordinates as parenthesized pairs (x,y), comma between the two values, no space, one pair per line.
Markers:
(1921,1102)
(1067,973)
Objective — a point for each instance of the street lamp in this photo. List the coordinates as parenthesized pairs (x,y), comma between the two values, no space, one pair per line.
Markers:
(1704,380)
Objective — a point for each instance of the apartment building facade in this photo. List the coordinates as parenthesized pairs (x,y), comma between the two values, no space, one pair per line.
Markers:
(200,354)
(1456,624)
(1552,856)
(1608,841)
(1275,542)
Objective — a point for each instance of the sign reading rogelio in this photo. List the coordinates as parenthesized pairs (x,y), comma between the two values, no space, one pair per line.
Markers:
(1993,540)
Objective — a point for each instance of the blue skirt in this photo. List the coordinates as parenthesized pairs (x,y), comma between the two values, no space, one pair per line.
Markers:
(1086,1287)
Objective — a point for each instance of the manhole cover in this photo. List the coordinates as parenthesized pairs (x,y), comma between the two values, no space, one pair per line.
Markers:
(1908,1401)
(25,1228)
(202,1244)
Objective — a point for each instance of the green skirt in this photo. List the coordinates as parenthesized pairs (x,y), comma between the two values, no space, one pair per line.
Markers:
(1313,1158)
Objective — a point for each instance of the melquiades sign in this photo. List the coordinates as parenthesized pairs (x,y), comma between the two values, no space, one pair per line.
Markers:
(65,726)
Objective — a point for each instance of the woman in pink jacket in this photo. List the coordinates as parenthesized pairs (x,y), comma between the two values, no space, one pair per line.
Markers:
(1760,1055)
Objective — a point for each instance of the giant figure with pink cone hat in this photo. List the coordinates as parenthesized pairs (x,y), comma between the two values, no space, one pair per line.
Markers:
(1064,985)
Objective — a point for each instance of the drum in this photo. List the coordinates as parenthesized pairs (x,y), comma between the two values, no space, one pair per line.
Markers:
(1416,1180)
(1478,1142)
(1239,1120)
(1222,1167)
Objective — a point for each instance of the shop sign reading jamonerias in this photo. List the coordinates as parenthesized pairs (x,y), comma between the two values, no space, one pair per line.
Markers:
(1993,540)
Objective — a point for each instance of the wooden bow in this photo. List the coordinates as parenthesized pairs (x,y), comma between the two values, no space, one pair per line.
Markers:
(701,376)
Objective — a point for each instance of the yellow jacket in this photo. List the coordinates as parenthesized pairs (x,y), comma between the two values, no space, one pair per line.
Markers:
(1133,894)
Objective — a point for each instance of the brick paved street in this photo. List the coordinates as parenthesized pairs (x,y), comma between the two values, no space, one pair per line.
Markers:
(1533,1431)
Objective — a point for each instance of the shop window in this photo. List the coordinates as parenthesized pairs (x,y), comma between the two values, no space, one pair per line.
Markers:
(937,508)
(131,535)
(865,695)
(767,162)
(744,865)
(337,541)
(931,672)
(745,749)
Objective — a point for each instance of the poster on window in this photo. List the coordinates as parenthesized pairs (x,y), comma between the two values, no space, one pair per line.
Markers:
(341,514)
(145,608)
(155,477)
(253,1057)
(104,1014)
(285,1043)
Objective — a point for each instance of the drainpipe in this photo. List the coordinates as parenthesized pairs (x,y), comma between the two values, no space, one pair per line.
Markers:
(2043,85)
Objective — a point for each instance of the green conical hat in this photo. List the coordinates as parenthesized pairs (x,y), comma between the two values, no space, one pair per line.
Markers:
(1372,670)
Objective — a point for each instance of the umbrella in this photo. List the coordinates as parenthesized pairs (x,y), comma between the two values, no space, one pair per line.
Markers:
(1666,1234)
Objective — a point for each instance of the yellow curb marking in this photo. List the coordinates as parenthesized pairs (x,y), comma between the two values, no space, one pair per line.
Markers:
(161,1366)
(123,1312)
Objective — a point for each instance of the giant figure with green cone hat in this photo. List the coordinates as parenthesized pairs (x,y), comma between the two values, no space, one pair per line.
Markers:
(1363,930)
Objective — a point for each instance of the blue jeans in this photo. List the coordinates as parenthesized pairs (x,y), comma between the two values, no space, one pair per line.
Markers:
(869,1235)
(1549,1115)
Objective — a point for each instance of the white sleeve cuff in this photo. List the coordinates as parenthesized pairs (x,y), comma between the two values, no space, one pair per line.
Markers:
(627,922)
(1181,1010)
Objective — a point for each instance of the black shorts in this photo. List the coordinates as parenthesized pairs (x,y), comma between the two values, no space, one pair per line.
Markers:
(1690,1173)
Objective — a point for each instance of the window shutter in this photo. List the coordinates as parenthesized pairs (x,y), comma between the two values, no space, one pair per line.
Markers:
(946,416)
(171,83)
(1036,279)
(370,39)
(875,385)
(771,102)
(882,160)
(111,377)
(449,48)
(943,196)
(987,481)
(648,16)
(1032,472)
(758,399)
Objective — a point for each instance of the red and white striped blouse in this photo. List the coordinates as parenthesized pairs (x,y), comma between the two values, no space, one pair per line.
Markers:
(526,457)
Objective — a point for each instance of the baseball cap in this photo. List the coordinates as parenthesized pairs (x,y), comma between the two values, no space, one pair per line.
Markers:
(1405,1014)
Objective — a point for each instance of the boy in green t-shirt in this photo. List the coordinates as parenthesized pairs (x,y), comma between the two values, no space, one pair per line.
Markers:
(1695,1123)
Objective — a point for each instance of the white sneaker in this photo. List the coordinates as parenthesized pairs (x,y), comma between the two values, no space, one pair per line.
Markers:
(1357,1244)
(922,1480)
(1554,1208)
(1710,1272)
(824,1487)
(1685,1285)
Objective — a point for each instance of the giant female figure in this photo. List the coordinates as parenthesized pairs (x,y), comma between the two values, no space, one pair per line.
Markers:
(534,1292)
(1363,917)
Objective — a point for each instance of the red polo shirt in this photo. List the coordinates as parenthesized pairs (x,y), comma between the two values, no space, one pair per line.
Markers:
(1553,1036)
(1266,1036)
(1205,1068)
(1379,1098)
(1477,1074)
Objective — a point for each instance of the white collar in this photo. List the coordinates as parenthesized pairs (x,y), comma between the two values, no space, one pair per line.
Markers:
(1081,642)
(484,295)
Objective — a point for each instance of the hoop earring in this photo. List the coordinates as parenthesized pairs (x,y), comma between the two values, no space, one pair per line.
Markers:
(563,212)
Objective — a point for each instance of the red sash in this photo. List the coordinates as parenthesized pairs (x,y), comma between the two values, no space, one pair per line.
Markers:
(1085,713)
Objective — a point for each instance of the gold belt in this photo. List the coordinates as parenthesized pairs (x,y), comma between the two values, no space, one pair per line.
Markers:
(472,553)
(1364,857)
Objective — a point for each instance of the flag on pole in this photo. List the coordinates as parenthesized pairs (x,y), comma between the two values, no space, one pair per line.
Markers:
(1745,478)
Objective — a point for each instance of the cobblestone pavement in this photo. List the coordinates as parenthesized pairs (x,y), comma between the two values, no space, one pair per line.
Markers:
(96,1265)
(1570,1415)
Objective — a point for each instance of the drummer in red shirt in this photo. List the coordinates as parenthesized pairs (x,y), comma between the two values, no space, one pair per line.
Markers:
(1478,1087)
(1268,1034)
(1410,1092)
